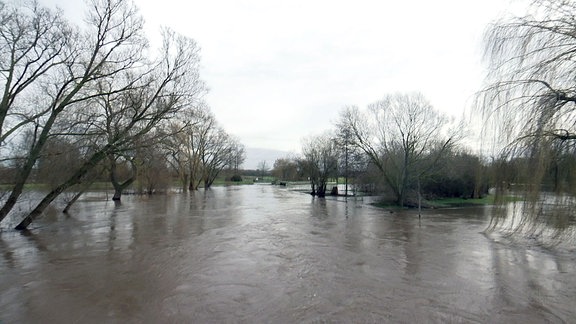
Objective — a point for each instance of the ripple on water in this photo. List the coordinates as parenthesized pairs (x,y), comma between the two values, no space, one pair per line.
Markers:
(265,254)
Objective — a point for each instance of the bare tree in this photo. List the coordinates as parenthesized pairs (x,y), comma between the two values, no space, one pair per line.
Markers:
(237,156)
(286,169)
(403,135)
(262,168)
(113,43)
(178,151)
(121,180)
(189,133)
(350,155)
(216,155)
(199,137)
(529,105)
(201,149)
(153,97)
(153,174)
(320,161)
(34,42)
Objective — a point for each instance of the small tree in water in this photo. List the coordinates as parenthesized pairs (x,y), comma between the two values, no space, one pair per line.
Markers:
(404,137)
(320,162)
(529,109)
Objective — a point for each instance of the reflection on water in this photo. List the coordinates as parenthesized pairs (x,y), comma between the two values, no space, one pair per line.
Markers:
(265,254)
(549,222)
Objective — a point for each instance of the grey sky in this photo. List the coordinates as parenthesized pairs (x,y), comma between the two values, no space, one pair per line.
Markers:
(279,71)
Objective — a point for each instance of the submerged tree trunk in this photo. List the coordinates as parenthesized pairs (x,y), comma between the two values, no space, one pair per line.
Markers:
(321,192)
(78,194)
(119,187)
(185,182)
(313,193)
(24,172)
(72,201)
(195,181)
(76,178)
(419,200)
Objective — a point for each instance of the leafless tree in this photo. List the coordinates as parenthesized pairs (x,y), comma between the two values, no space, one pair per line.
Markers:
(201,149)
(529,103)
(177,149)
(154,95)
(34,42)
(218,152)
(286,169)
(153,173)
(199,137)
(403,135)
(121,180)
(112,43)
(237,156)
(262,168)
(351,157)
(320,162)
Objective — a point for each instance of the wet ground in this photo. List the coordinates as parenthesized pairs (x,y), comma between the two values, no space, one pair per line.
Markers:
(263,254)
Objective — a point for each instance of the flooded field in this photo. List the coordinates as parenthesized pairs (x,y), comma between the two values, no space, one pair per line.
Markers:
(263,254)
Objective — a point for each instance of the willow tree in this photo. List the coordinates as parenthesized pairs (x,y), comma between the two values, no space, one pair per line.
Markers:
(530,112)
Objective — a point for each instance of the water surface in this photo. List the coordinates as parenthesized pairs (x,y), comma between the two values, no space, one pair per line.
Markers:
(263,254)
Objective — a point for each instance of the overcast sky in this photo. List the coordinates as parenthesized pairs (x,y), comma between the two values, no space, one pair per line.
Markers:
(279,71)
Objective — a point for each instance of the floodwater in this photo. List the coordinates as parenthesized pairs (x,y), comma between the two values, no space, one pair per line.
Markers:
(263,254)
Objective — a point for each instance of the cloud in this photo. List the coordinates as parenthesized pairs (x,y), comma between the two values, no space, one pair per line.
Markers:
(280,70)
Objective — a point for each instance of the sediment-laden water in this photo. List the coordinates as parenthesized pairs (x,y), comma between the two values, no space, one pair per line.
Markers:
(263,254)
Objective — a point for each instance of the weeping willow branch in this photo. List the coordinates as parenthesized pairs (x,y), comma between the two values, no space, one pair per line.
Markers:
(529,109)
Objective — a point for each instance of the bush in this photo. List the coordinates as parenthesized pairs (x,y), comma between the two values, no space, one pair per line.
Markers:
(236,178)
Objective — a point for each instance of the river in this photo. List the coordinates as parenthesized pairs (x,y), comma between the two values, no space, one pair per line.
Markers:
(264,254)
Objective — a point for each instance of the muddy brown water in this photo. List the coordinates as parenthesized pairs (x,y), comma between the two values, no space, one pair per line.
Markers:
(263,254)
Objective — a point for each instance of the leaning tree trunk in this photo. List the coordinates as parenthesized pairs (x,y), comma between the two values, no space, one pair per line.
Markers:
(72,201)
(76,178)
(24,172)
(77,195)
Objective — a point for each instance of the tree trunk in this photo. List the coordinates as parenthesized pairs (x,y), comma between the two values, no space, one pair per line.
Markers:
(72,201)
(419,200)
(185,182)
(321,192)
(26,170)
(208,183)
(404,180)
(119,187)
(74,179)
(77,195)
(117,193)
(194,182)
